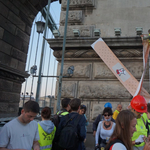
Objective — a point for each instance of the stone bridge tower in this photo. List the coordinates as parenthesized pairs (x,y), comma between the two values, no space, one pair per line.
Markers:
(16,17)
(92,80)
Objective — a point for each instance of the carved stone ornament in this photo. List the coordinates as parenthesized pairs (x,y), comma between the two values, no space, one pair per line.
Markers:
(81,70)
(78,3)
(85,31)
(10,76)
(8,107)
(73,17)
(91,53)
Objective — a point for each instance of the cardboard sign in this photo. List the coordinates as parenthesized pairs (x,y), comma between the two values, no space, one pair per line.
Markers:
(119,70)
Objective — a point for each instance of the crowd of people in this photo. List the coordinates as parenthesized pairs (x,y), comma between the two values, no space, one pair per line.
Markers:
(119,130)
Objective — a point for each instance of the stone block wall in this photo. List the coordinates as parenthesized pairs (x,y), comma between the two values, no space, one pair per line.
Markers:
(106,15)
(95,85)
(92,80)
(16,17)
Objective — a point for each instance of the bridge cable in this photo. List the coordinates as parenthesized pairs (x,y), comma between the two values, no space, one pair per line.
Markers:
(35,60)
(49,62)
(54,69)
(29,56)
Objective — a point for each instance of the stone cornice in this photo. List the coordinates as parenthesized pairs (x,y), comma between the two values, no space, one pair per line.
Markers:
(78,3)
(81,47)
(12,74)
(85,42)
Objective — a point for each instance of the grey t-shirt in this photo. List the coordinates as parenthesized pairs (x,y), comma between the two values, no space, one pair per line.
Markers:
(16,135)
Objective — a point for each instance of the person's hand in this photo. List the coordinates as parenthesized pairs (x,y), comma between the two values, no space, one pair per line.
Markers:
(36,145)
(94,132)
(147,143)
(36,148)
(97,147)
(140,139)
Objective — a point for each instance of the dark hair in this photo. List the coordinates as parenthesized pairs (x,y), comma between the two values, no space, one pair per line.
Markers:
(123,122)
(148,107)
(107,110)
(83,107)
(65,102)
(74,104)
(31,106)
(149,31)
(46,113)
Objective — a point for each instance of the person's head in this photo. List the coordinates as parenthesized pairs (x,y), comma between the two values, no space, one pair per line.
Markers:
(65,103)
(46,113)
(107,113)
(125,127)
(29,111)
(138,105)
(148,107)
(149,31)
(108,105)
(119,107)
(148,110)
(75,104)
(82,109)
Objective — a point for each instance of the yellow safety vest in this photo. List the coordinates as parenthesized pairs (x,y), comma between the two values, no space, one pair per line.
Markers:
(45,138)
(147,121)
(115,114)
(140,130)
(145,117)
(64,113)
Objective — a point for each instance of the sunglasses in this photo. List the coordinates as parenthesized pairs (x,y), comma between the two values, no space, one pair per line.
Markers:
(106,115)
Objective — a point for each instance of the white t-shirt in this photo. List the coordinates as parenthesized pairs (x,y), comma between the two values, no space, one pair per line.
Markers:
(102,132)
(118,146)
(16,135)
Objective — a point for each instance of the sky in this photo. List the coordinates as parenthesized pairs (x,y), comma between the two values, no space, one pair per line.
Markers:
(34,54)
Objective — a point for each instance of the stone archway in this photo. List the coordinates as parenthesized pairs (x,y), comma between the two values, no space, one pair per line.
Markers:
(16,17)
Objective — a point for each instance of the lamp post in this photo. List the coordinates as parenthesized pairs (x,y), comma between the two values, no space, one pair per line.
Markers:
(62,60)
(42,54)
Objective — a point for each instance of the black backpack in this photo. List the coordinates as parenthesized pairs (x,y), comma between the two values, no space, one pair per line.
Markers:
(68,138)
(56,118)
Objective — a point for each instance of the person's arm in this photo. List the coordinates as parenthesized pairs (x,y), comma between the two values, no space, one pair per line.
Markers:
(3,148)
(95,124)
(87,123)
(4,137)
(133,142)
(82,129)
(36,145)
(98,133)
